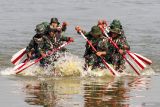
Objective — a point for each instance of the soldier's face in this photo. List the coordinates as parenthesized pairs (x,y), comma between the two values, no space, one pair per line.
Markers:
(54,25)
(52,34)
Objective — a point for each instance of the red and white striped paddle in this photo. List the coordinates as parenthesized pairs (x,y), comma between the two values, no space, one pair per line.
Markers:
(19,57)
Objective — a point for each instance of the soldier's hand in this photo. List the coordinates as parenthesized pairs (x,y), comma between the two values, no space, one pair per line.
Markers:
(29,55)
(104,22)
(100,53)
(64,24)
(126,47)
(78,28)
(58,29)
(49,52)
(43,55)
(100,22)
(70,39)
(121,51)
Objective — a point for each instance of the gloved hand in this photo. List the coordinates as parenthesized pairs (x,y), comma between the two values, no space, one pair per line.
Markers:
(70,39)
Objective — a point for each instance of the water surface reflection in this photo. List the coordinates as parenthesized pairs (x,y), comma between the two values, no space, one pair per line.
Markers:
(87,92)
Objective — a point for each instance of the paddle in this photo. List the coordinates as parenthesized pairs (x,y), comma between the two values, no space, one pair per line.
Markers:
(134,56)
(113,72)
(115,45)
(20,68)
(144,59)
(19,57)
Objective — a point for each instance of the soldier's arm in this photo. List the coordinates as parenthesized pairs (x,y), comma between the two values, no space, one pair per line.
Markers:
(30,46)
(123,46)
(103,47)
(64,26)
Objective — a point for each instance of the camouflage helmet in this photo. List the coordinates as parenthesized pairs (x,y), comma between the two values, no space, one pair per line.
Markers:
(54,20)
(116,24)
(95,30)
(40,29)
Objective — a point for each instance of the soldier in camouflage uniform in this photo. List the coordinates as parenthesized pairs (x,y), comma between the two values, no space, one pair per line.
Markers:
(57,39)
(43,43)
(55,24)
(92,58)
(38,46)
(114,56)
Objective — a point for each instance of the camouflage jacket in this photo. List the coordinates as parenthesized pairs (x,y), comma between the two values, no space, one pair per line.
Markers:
(39,44)
(113,56)
(57,40)
(100,44)
(60,29)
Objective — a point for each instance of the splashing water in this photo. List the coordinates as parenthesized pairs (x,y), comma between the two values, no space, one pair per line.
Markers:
(7,71)
(31,71)
(34,70)
(71,65)
(68,65)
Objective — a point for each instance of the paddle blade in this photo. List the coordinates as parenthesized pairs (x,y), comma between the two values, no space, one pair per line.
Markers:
(132,66)
(137,60)
(144,59)
(25,66)
(18,66)
(19,57)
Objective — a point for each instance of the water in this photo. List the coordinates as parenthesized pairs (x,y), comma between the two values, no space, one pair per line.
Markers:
(141,23)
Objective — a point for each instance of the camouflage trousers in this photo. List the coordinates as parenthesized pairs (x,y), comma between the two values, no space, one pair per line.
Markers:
(49,60)
(117,61)
(94,61)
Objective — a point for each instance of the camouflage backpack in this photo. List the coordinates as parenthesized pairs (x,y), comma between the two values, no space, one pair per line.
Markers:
(42,28)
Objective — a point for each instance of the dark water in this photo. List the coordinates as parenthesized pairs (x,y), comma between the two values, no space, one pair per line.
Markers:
(141,21)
